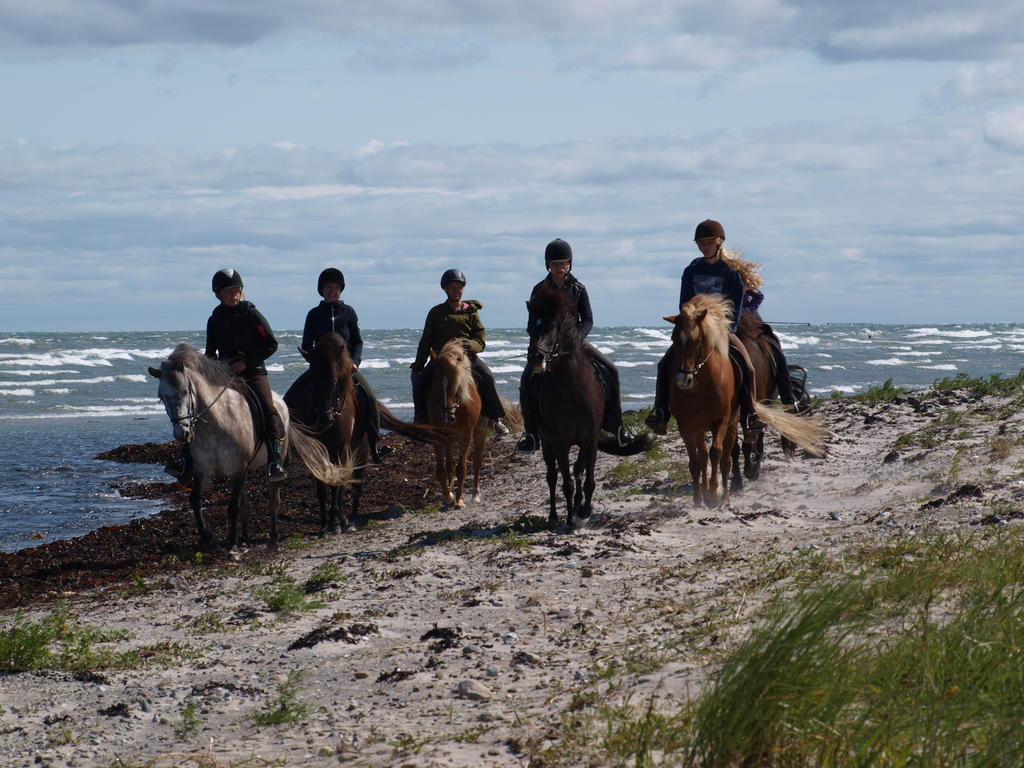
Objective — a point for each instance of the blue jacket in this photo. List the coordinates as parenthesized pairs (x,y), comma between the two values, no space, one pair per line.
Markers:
(333,317)
(703,277)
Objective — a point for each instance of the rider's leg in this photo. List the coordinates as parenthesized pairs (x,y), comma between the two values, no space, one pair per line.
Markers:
(377,452)
(420,388)
(492,405)
(528,405)
(613,408)
(748,412)
(658,418)
(782,380)
(275,427)
(180,466)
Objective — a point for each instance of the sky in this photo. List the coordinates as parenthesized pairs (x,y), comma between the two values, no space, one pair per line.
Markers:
(869,156)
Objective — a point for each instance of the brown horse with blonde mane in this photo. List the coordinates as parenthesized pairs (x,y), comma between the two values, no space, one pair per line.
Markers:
(705,398)
(454,403)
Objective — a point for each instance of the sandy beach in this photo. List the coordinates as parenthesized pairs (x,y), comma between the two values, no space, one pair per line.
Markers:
(441,638)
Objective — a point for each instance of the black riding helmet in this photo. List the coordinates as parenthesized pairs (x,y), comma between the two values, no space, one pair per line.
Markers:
(330,275)
(226,278)
(452,275)
(557,250)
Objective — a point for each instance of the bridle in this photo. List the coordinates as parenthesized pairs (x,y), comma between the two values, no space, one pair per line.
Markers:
(686,375)
(192,417)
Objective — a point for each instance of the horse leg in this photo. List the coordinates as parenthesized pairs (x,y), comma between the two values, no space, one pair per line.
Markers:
(441,461)
(207,540)
(584,486)
(712,498)
(460,476)
(552,477)
(237,489)
(737,476)
(725,467)
(338,520)
(568,487)
(273,505)
(694,446)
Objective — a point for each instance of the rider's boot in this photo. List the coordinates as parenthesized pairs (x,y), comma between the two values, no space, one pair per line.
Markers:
(275,469)
(181,466)
(378,452)
(528,444)
(499,427)
(657,420)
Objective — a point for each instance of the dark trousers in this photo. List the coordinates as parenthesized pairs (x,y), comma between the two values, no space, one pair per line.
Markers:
(491,401)
(529,393)
(261,388)
(782,380)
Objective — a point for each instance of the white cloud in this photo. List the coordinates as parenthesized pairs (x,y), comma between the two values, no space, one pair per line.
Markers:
(981,82)
(1005,130)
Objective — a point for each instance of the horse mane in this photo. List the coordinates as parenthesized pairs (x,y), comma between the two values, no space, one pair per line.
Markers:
(455,352)
(716,322)
(554,306)
(214,371)
(332,349)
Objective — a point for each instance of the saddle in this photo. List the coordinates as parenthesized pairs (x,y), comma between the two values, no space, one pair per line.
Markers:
(260,423)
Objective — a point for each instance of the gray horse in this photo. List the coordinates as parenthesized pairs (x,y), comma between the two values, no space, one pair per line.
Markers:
(208,409)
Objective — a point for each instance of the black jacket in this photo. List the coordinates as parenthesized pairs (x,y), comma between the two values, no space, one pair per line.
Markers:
(578,293)
(240,333)
(702,277)
(333,317)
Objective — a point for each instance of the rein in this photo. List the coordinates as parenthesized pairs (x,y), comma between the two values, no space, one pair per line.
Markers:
(192,398)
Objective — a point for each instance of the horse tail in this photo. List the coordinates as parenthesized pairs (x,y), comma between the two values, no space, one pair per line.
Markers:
(639,444)
(807,432)
(316,459)
(433,435)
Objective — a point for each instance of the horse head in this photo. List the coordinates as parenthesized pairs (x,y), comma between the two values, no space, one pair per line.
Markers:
(330,371)
(701,328)
(178,393)
(552,327)
(453,366)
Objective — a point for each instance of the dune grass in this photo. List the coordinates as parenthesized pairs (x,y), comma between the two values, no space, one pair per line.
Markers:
(908,653)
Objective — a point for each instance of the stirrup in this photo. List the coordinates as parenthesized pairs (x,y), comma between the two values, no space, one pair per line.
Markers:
(380,452)
(276,473)
(528,444)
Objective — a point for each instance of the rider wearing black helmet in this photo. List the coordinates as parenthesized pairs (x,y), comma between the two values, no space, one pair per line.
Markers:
(455,319)
(558,260)
(332,315)
(711,273)
(238,335)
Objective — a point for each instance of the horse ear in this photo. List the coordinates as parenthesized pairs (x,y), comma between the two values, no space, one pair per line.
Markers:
(154,372)
(671,318)
(433,355)
(304,353)
(700,318)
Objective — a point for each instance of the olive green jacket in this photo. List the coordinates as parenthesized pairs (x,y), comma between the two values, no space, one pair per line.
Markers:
(444,324)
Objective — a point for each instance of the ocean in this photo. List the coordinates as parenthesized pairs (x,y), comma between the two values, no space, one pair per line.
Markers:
(65,397)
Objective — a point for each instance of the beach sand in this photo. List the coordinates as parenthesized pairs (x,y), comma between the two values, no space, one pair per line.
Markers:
(456,637)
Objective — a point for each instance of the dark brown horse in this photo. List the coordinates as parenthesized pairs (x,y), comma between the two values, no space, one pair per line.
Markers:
(454,403)
(572,405)
(758,347)
(327,404)
(705,397)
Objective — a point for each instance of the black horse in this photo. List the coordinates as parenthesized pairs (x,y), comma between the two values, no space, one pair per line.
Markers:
(571,404)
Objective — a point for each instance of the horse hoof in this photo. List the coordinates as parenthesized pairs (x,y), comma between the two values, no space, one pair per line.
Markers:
(271,546)
(349,527)
(460,504)
(476,498)
(234,555)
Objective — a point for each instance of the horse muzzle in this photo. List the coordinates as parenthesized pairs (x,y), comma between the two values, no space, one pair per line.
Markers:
(685,381)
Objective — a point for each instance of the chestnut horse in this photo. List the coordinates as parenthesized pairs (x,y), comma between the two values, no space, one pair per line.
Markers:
(705,397)
(454,403)
(326,405)
(571,405)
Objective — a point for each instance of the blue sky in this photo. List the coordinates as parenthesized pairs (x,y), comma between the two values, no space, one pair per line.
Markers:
(869,156)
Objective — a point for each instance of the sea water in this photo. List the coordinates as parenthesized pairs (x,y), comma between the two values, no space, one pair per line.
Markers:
(65,397)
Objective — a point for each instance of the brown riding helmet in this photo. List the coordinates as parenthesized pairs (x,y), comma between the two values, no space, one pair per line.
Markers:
(709,228)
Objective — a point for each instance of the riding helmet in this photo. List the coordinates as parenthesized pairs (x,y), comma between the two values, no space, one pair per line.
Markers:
(452,275)
(330,275)
(226,278)
(709,228)
(557,250)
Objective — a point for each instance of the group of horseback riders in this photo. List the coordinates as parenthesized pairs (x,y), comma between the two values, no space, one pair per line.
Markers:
(239,335)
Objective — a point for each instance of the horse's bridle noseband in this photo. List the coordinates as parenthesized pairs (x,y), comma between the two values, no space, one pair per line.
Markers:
(693,371)
(193,417)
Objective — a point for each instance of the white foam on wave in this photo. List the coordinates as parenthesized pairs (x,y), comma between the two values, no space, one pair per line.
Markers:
(17,341)
(92,411)
(978,346)
(657,333)
(507,369)
(852,340)
(929,341)
(628,364)
(638,396)
(605,350)
(887,361)
(39,373)
(823,354)
(790,341)
(138,377)
(58,391)
(940,367)
(846,389)
(55,382)
(915,354)
(964,334)
(375,364)
(390,403)
(832,367)
(23,392)
(270,369)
